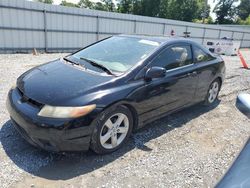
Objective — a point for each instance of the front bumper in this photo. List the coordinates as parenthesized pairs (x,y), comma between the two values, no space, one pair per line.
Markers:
(48,133)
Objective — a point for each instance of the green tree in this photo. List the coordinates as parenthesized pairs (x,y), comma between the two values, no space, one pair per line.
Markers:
(208,20)
(137,7)
(243,10)
(172,9)
(68,4)
(243,22)
(140,7)
(225,11)
(182,10)
(203,9)
(125,6)
(45,1)
(100,6)
(163,9)
(86,4)
(109,5)
(150,8)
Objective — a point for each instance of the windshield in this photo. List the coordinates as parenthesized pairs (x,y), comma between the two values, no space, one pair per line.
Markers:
(118,53)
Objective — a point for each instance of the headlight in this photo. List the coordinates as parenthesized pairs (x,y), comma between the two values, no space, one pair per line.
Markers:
(65,112)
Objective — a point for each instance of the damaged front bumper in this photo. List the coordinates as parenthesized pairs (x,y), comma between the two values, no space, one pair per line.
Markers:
(51,134)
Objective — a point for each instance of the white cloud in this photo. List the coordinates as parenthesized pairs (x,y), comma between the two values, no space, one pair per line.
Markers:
(212,4)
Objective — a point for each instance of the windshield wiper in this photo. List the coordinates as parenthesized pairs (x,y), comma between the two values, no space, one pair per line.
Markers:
(107,70)
(72,62)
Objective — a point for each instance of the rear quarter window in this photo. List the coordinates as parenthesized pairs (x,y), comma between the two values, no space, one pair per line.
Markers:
(200,55)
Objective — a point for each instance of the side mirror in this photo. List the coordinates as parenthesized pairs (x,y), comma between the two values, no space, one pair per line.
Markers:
(243,103)
(155,72)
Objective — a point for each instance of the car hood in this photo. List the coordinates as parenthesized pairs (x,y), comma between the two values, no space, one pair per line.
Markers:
(58,81)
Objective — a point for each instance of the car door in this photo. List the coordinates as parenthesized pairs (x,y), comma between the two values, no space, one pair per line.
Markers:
(176,89)
(206,67)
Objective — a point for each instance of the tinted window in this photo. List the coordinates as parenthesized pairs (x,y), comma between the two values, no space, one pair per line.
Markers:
(200,55)
(174,57)
(118,53)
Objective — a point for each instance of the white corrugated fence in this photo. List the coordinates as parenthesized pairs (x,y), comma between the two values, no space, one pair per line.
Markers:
(26,25)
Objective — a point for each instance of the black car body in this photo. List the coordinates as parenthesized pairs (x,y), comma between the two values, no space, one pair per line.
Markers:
(75,82)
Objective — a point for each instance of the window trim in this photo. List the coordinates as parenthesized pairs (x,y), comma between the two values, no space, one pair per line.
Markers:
(177,68)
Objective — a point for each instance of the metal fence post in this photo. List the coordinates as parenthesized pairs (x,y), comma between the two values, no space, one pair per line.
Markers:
(45,31)
(186,35)
(204,34)
(97,28)
(219,34)
(232,36)
(164,29)
(135,26)
(243,35)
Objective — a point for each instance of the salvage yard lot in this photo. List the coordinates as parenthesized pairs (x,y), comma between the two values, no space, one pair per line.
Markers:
(191,148)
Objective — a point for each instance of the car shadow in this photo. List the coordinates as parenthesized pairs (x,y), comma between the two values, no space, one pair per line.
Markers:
(69,165)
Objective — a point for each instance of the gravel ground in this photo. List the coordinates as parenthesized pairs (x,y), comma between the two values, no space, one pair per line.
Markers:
(192,148)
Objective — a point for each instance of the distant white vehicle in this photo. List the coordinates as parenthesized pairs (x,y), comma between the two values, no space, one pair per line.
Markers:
(224,46)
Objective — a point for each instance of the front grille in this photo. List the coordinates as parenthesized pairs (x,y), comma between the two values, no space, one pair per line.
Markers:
(29,100)
(35,103)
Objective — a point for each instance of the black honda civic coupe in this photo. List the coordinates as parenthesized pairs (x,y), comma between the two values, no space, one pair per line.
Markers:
(95,97)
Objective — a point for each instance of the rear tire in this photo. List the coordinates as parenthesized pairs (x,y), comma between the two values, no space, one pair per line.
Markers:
(113,128)
(213,92)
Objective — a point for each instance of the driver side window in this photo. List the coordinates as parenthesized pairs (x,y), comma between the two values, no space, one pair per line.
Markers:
(174,57)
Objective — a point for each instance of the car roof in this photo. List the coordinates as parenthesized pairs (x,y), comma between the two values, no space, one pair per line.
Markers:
(160,39)
(165,40)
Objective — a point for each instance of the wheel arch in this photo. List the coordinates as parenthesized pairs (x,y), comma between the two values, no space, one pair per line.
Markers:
(130,106)
(220,79)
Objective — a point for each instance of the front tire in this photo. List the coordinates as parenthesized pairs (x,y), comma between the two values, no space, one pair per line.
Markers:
(213,92)
(113,128)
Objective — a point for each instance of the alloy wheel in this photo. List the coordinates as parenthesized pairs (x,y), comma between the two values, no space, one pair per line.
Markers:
(114,131)
(213,92)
